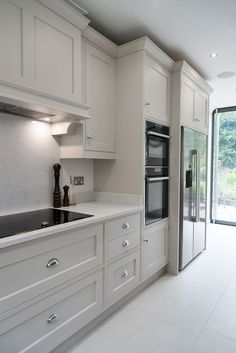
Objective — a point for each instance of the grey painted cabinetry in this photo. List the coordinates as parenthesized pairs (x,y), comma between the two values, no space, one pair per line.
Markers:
(52,287)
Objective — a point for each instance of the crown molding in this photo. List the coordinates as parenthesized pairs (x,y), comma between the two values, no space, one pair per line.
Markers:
(147,45)
(185,68)
(100,41)
(67,12)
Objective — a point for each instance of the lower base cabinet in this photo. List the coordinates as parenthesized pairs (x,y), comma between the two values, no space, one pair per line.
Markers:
(41,327)
(154,250)
(123,276)
(114,258)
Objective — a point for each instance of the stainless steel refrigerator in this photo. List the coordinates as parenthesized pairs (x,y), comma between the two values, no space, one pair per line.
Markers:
(193,195)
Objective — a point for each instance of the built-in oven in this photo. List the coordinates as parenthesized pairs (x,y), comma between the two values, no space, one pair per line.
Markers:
(156,172)
(156,194)
(157,144)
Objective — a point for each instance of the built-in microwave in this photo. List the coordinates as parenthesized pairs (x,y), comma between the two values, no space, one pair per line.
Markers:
(157,144)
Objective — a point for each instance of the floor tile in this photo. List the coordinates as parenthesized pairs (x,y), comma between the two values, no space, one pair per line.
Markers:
(230,290)
(159,336)
(210,342)
(223,319)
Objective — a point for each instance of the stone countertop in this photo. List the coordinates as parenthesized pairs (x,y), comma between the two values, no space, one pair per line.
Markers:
(101,211)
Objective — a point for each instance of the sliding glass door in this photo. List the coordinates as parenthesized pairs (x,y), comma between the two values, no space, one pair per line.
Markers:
(223,182)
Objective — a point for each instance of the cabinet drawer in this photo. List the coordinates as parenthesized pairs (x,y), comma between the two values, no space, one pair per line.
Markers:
(41,327)
(29,269)
(123,276)
(123,225)
(123,244)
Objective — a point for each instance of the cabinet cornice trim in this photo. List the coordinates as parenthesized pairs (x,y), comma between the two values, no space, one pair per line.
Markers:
(146,44)
(100,41)
(67,12)
(185,68)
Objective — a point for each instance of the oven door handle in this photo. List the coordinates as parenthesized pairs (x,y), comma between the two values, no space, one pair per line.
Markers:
(152,133)
(157,178)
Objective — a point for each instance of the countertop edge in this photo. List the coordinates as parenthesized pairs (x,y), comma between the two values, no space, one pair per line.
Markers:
(119,211)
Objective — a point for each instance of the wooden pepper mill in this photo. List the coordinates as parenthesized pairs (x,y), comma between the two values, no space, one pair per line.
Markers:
(57,192)
(66,200)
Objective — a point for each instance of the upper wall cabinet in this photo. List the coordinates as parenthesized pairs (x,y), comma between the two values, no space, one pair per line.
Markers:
(100,96)
(56,54)
(156,91)
(40,50)
(96,137)
(194,105)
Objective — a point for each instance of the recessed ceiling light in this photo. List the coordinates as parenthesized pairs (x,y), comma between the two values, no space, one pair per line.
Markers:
(213,55)
(46,119)
(226,74)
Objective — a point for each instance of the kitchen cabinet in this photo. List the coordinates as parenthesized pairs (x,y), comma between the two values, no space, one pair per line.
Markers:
(54,285)
(100,96)
(95,138)
(41,327)
(123,276)
(156,91)
(154,250)
(43,264)
(190,108)
(194,105)
(40,50)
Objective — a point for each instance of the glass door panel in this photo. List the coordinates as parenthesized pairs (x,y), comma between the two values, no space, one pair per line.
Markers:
(223,193)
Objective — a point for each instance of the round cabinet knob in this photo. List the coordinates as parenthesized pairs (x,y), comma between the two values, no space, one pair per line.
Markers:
(89,138)
(147,103)
(53,263)
(124,274)
(125,243)
(125,226)
(53,318)
(145,240)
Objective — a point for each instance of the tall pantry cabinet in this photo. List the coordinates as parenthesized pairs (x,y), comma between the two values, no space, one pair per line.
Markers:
(190,108)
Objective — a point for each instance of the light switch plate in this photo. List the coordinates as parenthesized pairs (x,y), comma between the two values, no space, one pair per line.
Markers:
(78,180)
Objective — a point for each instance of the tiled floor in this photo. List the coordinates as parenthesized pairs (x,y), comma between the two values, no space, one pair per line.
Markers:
(192,313)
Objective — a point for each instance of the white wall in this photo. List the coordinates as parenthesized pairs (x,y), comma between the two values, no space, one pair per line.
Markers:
(27,154)
(78,167)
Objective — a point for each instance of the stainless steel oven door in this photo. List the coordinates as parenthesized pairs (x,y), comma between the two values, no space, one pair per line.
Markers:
(156,199)
(157,149)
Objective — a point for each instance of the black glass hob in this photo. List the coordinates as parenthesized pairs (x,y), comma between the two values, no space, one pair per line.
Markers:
(28,221)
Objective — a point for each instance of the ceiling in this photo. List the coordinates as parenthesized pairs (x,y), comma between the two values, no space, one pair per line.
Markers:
(184,29)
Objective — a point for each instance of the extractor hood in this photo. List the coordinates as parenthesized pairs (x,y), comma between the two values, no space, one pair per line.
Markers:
(32,104)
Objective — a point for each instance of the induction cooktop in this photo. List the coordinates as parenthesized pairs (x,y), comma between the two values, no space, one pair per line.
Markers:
(25,222)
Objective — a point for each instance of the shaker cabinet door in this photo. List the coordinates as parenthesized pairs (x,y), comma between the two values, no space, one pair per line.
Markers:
(156,91)
(56,54)
(194,106)
(100,96)
(154,249)
(187,102)
(15,28)
(201,110)
(39,49)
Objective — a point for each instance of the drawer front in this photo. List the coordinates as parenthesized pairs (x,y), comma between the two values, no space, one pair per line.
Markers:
(62,256)
(123,244)
(123,276)
(123,225)
(41,327)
